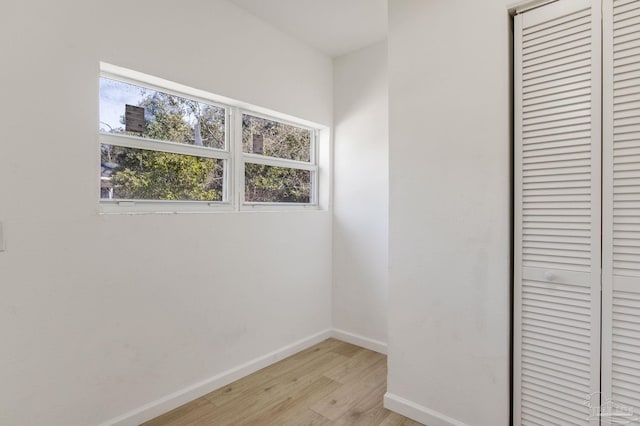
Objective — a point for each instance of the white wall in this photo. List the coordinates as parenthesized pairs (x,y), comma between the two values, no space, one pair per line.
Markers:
(449,79)
(361,191)
(102,314)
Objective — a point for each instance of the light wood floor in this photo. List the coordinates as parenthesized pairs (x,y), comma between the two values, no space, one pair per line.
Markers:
(332,383)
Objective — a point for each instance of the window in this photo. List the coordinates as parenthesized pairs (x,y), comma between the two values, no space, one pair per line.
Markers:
(169,146)
(277,161)
(158,146)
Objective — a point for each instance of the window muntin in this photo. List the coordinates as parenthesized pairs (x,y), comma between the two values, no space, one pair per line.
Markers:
(140,174)
(275,139)
(167,117)
(278,161)
(160,160)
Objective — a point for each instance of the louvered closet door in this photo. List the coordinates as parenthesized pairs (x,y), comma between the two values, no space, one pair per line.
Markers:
(621,207)
(557,213)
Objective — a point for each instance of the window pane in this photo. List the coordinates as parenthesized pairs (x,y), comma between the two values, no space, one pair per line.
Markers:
(274,139)
(138,174)
(270,184)
(160,115)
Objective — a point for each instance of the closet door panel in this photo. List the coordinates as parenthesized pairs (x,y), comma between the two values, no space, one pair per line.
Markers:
(557,203)
(621,208)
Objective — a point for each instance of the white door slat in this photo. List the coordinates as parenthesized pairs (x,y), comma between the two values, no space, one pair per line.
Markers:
(546,233)
(628,189)
(626,22)
(621,75)
(579,29)
(556,239)
(628,62)
(564,69)
(563,359)
(550,386)
(621,102)
(552,323)
(624,7)
(555,205)
(627,148)
(555,115)
(565,412)
(625,39)
(555,63)
(546,417)
(540,416)
(626,117)
(544,37)
(575,136)
(620,16)
(550,332)
(620,212)
(563,49)
(625,157)
(626,28)
(572,124)
(549,226)
(532,419)
(557,215)
(561,80)
(554,199)
(626,51)
(550,26)
(575,88)
(547,107)
(626,83)
(621,145)
(562,157)
(626,102)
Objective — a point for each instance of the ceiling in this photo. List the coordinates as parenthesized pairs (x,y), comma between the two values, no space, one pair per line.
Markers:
(334,27)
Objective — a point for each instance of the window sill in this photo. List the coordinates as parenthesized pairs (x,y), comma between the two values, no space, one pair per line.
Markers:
(167,207)
(186,207)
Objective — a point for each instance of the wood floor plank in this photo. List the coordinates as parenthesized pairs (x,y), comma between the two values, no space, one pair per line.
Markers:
(262,398)
(395,419)
(346,349)
(289,369)
(353,368)
(336,404)
(308,418)
(289,410)
(332,383)
(190,412)
(368,411)
(220,396)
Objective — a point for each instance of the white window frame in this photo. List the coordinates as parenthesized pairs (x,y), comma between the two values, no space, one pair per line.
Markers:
(242,158)
(233,156)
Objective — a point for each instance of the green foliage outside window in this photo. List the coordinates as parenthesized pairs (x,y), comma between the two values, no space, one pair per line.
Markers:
(139,174)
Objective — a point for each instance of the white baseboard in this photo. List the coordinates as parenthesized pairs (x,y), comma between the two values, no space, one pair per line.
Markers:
(176,399)
(358,340)
(418,412)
